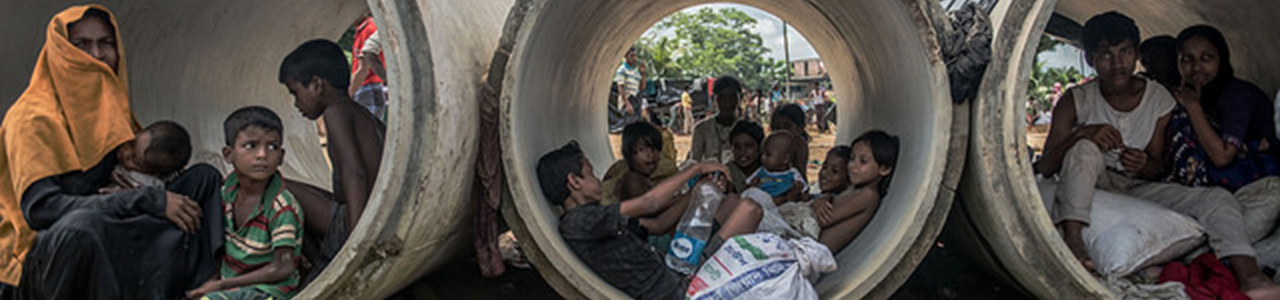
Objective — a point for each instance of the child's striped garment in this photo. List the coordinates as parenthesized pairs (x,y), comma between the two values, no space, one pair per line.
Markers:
(277,222)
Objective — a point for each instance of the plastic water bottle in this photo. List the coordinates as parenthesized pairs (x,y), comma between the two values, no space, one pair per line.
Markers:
(695,227)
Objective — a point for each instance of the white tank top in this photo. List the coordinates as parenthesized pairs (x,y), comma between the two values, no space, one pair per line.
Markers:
(1136,126)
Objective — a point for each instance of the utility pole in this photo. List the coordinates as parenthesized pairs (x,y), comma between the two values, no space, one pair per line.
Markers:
(786,52)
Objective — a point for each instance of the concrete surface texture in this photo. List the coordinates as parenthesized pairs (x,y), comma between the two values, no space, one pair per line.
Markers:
(196,61)
(881,53)
(999,197)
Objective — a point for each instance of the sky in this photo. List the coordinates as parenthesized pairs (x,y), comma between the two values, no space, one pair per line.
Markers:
(770,29)
(1066,56)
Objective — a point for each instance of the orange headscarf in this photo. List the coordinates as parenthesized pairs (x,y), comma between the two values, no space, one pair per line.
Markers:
(74,112)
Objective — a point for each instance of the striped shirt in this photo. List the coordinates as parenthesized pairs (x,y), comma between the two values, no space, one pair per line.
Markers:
(629,77)
(250,246)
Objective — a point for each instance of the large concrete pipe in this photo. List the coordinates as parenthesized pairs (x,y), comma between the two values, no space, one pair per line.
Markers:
(999,193)
(883,58)
(196,61)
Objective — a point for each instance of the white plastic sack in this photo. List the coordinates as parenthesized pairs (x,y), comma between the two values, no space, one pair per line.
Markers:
(761,266)
(1127,234)
(771,220)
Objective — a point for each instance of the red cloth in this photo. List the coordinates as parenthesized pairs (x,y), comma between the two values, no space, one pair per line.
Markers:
(1205,278)
(363,31)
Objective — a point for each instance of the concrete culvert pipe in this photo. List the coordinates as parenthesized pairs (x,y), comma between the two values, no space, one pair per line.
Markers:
(1000,200)
(196,61)
(882,56)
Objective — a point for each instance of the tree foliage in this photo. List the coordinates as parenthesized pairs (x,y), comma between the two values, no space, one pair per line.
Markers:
(1040,86)
(709,43)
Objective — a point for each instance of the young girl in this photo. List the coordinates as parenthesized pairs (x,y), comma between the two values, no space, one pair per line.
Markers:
(746,138)
(871,167)
(834,176)
(641,146)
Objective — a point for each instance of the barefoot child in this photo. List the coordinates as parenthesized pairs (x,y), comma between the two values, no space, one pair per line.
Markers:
(1111,134)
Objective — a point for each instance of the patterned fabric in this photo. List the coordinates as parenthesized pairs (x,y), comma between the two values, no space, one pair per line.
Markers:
(629,76)
(778,183)
(1127,290)
(240,294)
(614,247)
(1192,166)
(363,32)
(251,245)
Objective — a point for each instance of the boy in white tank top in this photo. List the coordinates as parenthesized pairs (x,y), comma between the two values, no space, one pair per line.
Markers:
(1110,134)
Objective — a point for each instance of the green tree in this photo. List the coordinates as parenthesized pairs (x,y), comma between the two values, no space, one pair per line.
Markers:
(1040,85)
(708,43)
(659,54)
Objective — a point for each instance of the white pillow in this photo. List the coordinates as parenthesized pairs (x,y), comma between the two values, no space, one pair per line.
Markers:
(1128,234)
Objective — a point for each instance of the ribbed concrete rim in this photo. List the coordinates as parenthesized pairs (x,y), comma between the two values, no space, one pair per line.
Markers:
(419,216)
(999,191)
(993,189)
(564,56)
(196,61)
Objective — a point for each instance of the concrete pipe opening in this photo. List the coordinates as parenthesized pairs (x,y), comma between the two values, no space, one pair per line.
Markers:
(1001,202)
(881,54)
(196,61)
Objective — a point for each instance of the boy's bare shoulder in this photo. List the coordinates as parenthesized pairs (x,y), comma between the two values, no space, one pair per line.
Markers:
(345,111)
(355,116)
(854,196)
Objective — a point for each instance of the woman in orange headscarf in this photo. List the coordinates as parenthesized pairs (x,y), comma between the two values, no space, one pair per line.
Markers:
(55,142)
(73,113)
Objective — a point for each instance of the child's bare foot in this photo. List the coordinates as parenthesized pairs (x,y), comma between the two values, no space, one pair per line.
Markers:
(1074,237)
(1260,288)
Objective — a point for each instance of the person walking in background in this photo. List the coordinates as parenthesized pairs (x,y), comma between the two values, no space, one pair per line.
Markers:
(368,68)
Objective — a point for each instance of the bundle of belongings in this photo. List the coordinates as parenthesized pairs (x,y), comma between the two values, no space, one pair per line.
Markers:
(1142,250)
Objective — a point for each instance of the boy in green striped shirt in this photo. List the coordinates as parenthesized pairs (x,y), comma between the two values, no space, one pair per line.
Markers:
(263,224)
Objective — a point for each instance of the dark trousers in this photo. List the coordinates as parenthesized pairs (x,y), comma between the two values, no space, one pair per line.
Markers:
(95,254)
(8,292)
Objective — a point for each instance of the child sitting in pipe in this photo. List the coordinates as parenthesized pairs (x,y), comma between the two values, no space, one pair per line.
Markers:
(641,146)
(746,138)
(611,239)
(873,159)
(262,221)
(790,118)
(154,155)
(777,175)
(317,75)
(832,180)
(1111,134)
